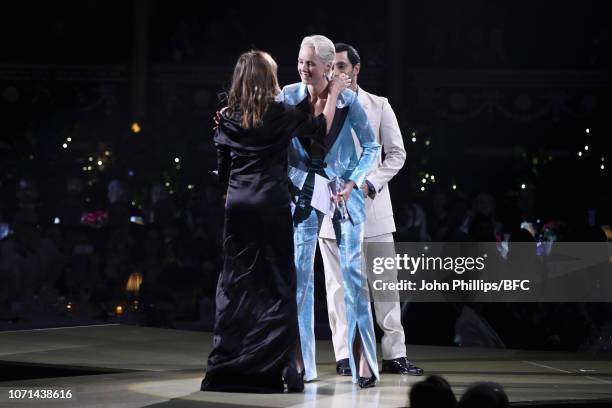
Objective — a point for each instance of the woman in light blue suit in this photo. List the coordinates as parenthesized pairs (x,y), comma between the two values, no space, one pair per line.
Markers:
(337,160)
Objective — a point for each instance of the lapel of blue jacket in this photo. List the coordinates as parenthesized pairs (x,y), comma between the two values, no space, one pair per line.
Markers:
(342,147)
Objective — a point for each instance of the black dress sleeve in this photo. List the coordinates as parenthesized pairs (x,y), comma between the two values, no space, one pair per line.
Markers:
(223,164)
(311,127)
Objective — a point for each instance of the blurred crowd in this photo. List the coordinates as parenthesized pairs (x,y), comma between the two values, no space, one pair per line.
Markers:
(68,255)
(158,258)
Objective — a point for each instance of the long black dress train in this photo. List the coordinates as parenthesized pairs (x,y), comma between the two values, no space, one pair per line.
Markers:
(256,328)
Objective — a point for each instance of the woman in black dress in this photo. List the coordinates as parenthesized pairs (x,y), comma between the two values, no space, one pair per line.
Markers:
(256,330)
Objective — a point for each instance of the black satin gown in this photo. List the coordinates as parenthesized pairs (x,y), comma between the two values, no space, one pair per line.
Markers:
(256,328)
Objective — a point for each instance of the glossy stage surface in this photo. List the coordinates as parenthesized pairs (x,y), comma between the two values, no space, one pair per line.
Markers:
(131,366)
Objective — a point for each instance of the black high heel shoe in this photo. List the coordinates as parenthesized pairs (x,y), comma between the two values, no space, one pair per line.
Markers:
(365,382)
(293,379)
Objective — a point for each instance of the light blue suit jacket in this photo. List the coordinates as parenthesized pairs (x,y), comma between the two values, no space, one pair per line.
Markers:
(341,160)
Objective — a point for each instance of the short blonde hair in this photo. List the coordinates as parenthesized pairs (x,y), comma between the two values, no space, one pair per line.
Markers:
(323,47)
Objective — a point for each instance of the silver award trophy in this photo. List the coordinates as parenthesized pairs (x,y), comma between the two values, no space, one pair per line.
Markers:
(336,185)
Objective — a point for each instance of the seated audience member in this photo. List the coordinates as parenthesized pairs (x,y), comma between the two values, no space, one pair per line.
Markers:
(434,391)
(484,395)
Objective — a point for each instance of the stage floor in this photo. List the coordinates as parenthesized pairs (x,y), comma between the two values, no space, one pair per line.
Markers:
(131,366)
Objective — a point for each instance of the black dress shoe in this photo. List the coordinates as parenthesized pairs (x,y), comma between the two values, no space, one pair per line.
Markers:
(400,366)
(365,382)
(293,380)
(343,367)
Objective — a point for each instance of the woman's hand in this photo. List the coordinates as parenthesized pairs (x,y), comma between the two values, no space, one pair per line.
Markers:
(345,193)
(217,117)
(339,83)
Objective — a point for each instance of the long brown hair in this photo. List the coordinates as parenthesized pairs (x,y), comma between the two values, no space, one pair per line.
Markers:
(254,86)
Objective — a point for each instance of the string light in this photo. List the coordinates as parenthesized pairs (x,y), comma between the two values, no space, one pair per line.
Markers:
(523,186)
(454,186)
(99,162)
(176,160)
(422,188)
(586,147)
(588,130)
(190,187)
(413,139)
(64,145)
(579,154)
(136,127)
(424,180)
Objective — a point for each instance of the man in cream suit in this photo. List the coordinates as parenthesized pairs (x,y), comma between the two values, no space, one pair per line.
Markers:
(379,227)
